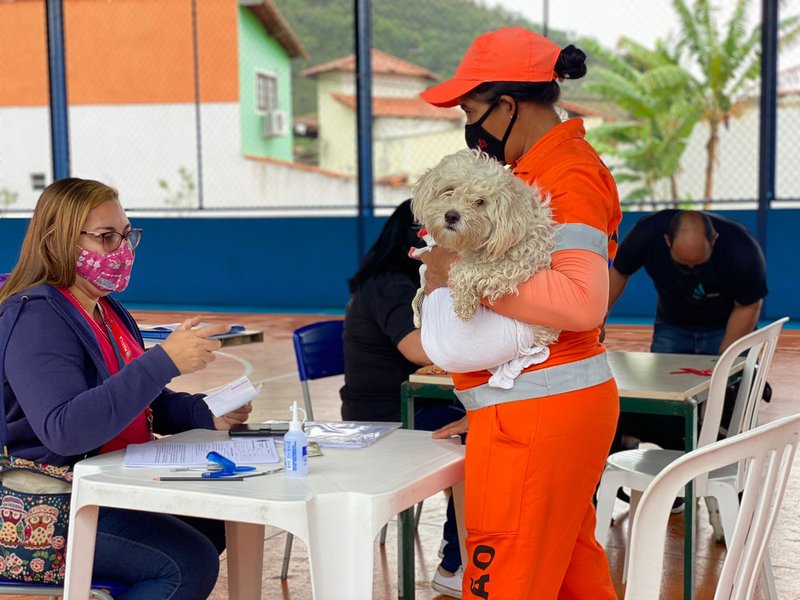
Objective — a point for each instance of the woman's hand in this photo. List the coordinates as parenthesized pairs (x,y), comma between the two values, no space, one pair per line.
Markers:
(453,429)
(191,350)
(438,261)
(239,415)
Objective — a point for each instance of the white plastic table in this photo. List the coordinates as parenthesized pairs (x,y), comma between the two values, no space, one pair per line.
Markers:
(337,510)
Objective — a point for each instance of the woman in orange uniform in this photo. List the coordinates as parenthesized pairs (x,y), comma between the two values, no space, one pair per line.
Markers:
(536,452)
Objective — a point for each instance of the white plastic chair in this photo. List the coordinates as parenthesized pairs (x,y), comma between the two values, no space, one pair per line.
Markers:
(766,454)
(635,469)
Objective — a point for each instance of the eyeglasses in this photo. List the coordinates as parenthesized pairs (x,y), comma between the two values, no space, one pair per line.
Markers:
(112,239)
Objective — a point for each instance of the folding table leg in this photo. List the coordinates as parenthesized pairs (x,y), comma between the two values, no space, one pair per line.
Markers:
(405,554)
(458,504)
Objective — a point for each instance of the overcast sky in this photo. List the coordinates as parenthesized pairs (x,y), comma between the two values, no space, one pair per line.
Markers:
(642,20)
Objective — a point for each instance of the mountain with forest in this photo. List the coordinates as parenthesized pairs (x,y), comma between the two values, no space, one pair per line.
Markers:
(431,33)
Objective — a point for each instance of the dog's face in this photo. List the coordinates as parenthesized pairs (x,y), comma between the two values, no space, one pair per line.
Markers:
(470,202)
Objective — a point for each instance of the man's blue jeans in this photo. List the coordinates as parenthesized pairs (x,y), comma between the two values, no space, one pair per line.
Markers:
(160,557)
(679,340)
(665,430)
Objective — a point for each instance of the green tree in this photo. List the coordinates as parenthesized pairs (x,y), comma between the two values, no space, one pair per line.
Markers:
(434,35)
(648,85)
(7,198)
(183,196)
(728,62)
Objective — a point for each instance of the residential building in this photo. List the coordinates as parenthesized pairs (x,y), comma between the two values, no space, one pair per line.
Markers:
(165,104)
(409,135)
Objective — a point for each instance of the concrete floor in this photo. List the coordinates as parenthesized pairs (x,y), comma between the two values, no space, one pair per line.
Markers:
(273,364)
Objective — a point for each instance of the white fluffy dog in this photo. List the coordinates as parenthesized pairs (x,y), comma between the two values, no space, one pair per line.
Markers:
(498,225)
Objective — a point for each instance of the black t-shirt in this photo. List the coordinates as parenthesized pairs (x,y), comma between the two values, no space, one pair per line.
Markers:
(735,272)
(378,316)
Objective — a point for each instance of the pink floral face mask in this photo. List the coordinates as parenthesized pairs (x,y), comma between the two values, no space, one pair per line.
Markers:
(107,272)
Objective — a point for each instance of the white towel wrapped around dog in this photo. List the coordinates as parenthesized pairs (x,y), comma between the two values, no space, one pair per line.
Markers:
(487,341)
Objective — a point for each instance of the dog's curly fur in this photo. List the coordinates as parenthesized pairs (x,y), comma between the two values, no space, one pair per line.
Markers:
(499,226)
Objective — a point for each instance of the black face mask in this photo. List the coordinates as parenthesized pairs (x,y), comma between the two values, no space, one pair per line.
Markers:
(480,139)
(687,271)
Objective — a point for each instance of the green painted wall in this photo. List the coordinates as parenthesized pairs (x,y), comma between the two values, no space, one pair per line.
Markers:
(259,51)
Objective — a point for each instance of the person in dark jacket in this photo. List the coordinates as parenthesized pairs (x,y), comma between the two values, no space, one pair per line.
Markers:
(77,382)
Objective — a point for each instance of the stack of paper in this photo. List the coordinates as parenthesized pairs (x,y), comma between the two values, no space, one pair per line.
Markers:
(166,454)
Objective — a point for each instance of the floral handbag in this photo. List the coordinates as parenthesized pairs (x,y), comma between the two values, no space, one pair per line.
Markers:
(33,526)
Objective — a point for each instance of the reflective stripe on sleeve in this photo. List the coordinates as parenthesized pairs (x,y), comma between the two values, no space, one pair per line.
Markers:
(577,236)
(551,381)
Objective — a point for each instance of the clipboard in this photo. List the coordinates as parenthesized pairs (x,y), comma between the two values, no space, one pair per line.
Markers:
(162,332)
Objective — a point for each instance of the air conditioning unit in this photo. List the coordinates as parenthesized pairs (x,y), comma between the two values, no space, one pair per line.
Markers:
(274,124)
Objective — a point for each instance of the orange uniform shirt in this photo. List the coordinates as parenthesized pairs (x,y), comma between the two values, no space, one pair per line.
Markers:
(582,191)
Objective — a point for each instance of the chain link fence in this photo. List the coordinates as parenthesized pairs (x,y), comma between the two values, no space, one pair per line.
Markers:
(212,105)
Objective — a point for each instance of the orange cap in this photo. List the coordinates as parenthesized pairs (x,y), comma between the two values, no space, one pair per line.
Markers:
(508,54)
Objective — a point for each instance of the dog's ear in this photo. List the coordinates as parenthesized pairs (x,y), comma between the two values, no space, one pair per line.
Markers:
(511,208)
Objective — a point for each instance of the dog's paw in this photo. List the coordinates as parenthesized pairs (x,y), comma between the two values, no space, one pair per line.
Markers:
(544,336)
(465,303)
(466,311)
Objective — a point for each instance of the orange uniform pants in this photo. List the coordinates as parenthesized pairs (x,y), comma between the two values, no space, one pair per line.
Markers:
(531,470)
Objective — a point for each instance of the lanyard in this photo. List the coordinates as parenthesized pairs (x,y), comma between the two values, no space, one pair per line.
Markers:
(111,338)
(148,412)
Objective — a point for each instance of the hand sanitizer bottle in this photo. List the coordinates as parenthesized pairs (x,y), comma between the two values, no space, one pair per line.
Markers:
(295,448)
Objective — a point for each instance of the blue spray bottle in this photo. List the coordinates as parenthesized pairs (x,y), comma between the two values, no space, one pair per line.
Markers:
(295,448)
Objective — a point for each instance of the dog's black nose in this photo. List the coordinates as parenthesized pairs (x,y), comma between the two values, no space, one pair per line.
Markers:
(452,217)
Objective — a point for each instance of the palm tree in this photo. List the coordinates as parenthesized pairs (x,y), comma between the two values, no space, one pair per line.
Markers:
(650,86)
(728,63)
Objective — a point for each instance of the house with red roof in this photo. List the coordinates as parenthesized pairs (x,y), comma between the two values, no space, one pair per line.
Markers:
(409,135)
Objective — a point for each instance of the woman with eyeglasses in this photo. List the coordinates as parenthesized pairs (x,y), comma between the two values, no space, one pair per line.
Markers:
(76,381)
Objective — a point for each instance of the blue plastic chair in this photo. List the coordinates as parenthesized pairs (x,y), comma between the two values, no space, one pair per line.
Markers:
(101,589)
(320,353)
